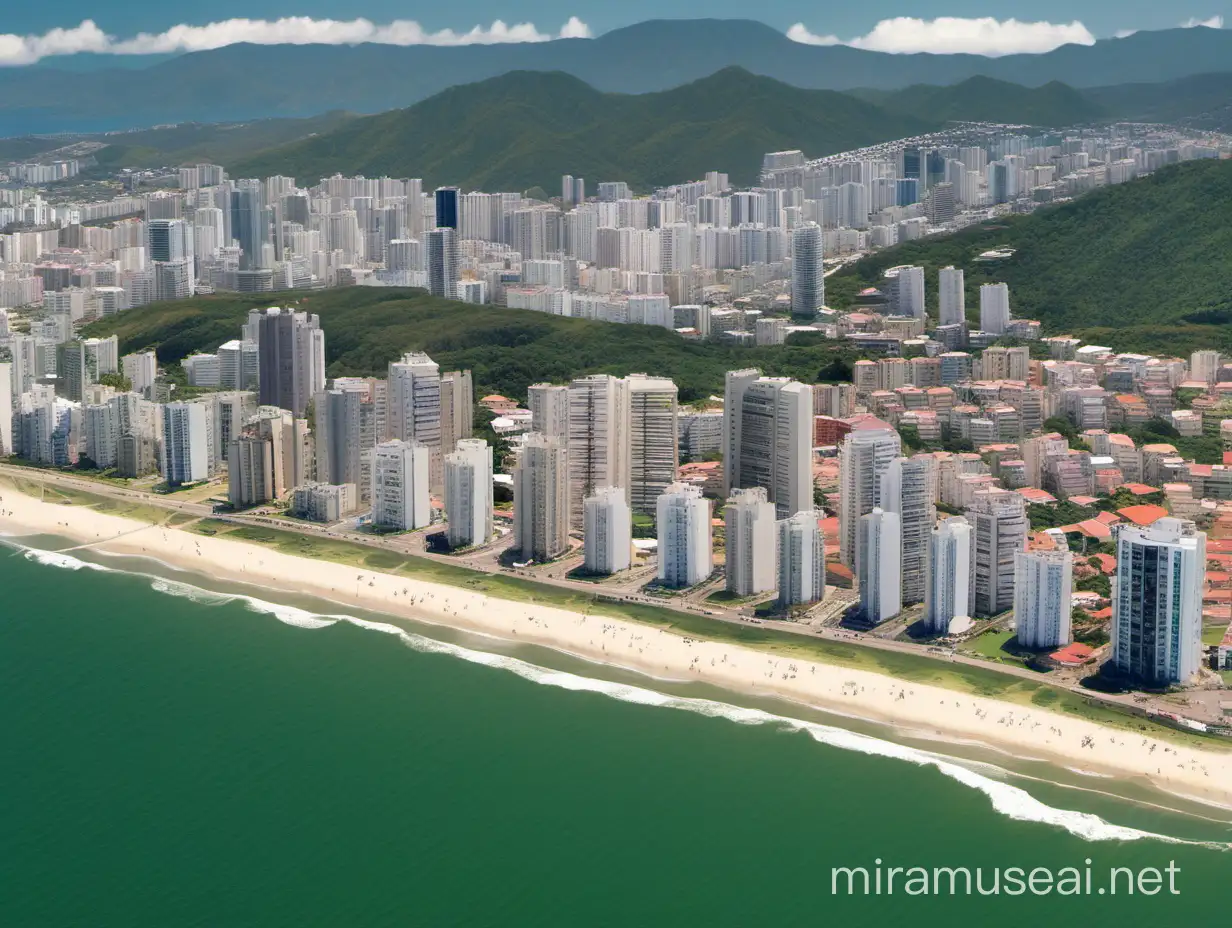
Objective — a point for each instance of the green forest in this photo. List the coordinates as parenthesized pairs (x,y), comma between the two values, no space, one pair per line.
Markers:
(506,349)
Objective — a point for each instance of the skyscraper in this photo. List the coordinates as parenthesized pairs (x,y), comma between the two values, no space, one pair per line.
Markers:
(608,531)
(249,225)
(951,296)
(443,262)
(906,290)
(1157,602)
(457,409)
(347,428)
(447,207)
(654,444)
(906,490)
(949,576)
(999,520)
(686,550)
(808,282)
(291,354)
(767,439)
(878,566)
(802,558)
(863,457)
(549,410)
(541,500)
(599,433)
(468,493)
(415,407)
(1043,583)
(185,438)
(400,485)
(750,543)
(994,308)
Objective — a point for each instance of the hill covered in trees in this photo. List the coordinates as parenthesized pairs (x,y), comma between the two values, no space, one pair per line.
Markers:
(985,99)
(1145,265)
(527,128)
(506,349)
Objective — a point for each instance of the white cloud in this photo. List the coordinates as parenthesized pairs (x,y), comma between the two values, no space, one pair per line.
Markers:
(950,34)
(290,30)
(1124,33)
(1215,22)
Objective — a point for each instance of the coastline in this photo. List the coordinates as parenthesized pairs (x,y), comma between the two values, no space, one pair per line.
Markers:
(916,709)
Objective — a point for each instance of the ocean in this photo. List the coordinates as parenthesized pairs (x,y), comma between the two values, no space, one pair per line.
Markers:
(176,753)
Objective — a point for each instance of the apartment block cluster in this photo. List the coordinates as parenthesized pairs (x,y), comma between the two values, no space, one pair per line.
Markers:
(700,257)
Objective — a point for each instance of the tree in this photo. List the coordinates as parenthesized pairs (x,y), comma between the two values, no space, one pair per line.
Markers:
(118,381)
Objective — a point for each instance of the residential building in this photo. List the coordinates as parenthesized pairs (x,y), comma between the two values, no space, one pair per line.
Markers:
(802,559)
(878,570)
(608,531)
(1043,585)
(686,550)
(468,493)
(750,542)
(541,499)
(948,603)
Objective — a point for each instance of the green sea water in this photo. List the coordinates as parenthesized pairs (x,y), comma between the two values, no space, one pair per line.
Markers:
(173,758)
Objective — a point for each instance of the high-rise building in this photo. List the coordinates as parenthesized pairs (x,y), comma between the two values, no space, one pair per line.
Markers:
(185,444)
(949,576)
(808,280)
(347,427)
(442,254)
(1157,602)
(415,408)
(951,296)
(549,410)
(864,457)
(1204,366)
(599,438)
(654,442)
(802,558)
(541,499)
(906,290)
(400,497)
(906,490)
(608,531)
(1043,584)
(750,542)
(291,367)
(75,370)
(686,550)
(447,207)
(999,520)
(994,308)
(6,408)
(140,370)
(250,225)
(768,439)
(250,470)
(878,566)
(442,263)
(468,493)
(457,409)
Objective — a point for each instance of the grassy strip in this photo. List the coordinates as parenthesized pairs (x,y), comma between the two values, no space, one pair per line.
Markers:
(962,678)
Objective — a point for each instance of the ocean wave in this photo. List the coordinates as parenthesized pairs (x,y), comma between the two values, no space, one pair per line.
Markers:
(1007,799)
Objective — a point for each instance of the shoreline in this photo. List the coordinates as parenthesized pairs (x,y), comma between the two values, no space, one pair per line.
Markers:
(914,709)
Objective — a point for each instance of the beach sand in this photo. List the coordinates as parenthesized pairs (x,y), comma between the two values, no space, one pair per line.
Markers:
(931,711)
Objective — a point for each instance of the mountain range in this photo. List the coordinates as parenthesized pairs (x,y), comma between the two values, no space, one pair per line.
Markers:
(248,81)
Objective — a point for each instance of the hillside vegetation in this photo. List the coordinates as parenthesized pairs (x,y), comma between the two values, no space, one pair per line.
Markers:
(1145,265)
(527,128)
(984,99)
(506,349)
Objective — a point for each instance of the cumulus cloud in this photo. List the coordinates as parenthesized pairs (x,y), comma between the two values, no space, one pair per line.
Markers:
(1215,22)
(951,34)
(290,30)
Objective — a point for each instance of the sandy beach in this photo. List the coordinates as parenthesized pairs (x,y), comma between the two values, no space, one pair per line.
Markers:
(932,711)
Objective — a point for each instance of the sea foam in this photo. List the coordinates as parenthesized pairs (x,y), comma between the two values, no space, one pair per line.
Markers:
(1008,800)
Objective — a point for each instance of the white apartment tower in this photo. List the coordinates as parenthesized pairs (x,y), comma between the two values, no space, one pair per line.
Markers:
(541,499)
(999,519)
(994,308)
(1043,585)
(400,498)
(802,558)
(468,493)
(1157,602)
(608,531)
(768,439)
(185,439)
(549,410)
(686,551)
(599,433)
(654,444)
(949,576)
(750,540)
(951,296)
(878,572)
(864,457)
(414,407)
(906,490)
(808,279)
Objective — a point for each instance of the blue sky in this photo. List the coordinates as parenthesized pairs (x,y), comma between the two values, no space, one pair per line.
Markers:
(32,32)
